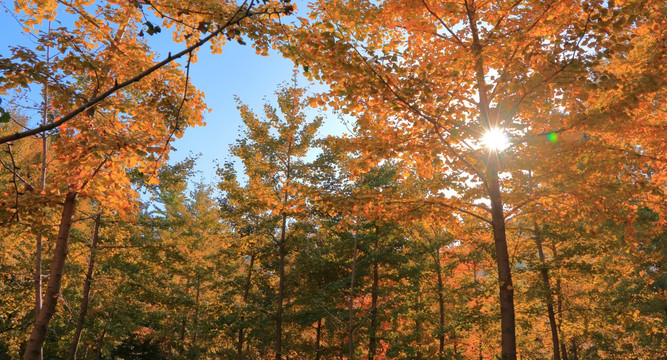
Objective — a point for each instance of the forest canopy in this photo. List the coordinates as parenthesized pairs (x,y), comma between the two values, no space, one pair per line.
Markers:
(499,194)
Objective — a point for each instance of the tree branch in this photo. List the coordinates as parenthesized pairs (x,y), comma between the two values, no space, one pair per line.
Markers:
(118,86)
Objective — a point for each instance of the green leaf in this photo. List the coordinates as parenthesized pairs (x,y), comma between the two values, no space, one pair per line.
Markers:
(4,118)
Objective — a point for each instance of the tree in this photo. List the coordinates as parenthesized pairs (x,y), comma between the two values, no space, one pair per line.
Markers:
(218,19)
(96,52)
(387,243)
(426,81)
(273,154)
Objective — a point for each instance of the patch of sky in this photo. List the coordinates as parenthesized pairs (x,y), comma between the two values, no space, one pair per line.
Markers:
(238,71)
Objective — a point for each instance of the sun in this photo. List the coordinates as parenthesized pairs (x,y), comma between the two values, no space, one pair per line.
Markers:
(495,139)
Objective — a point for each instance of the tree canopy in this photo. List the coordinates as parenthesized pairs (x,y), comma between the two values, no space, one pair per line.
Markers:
(500,192)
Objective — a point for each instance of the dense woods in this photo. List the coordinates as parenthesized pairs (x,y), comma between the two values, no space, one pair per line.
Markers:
(500,194)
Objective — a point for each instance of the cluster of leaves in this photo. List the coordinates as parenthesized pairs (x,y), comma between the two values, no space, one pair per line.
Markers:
(4,115)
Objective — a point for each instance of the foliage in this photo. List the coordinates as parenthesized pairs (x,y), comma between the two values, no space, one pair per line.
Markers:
(391,242)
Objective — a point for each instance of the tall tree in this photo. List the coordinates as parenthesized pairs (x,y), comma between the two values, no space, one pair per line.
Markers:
(273,152)
(101,55)
(428,80)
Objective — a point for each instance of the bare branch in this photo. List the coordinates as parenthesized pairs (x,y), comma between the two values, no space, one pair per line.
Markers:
(178,112)
(18,176)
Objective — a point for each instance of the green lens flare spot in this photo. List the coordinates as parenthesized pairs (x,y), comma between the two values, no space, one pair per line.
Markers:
(552,137)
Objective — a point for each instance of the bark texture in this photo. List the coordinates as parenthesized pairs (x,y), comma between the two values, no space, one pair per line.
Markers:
(548,293)
(506,288)
(38,333)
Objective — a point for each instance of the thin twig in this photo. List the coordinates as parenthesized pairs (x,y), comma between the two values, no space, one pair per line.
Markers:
(13,171)
(178,112)
(442,22)
(16,185)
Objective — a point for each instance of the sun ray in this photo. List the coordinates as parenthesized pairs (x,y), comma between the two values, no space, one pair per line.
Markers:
(495,139)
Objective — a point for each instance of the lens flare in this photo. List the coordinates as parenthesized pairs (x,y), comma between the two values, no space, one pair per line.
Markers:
(552,137)
(495,139)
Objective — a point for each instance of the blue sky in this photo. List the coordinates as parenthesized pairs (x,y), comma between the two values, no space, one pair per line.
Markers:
(237,71)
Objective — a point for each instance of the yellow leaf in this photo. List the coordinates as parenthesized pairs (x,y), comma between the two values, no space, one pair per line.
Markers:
(153,180)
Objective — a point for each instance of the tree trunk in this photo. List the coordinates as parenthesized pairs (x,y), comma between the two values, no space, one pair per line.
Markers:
(507,322)
(418,322)
(181,334)
(441,307)
(548,296)
(86,292)
(575,355)
(559,305)
(246,292)
(372,340)
(350,321)
(506,288)
(38,334)
(318,338)
(38,282)
(195,321)
(184,319)
(42,187)
(281,287)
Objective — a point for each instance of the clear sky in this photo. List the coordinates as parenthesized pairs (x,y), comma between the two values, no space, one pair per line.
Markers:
(237,71)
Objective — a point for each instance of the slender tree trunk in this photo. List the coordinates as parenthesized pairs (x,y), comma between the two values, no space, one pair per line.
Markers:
(195,321)
(372,340)
(441,306)
(418,322)
(350,320)
(318,338)
(74,345)
(181,334)
(184,318)
(559,305)
(575,355)
(282,253)
(506,288)
(36,340)
(548,296)
(507,321)
(281,287)
(42,187)
(38,274)
(38,283)
(246,292)
(38,334)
